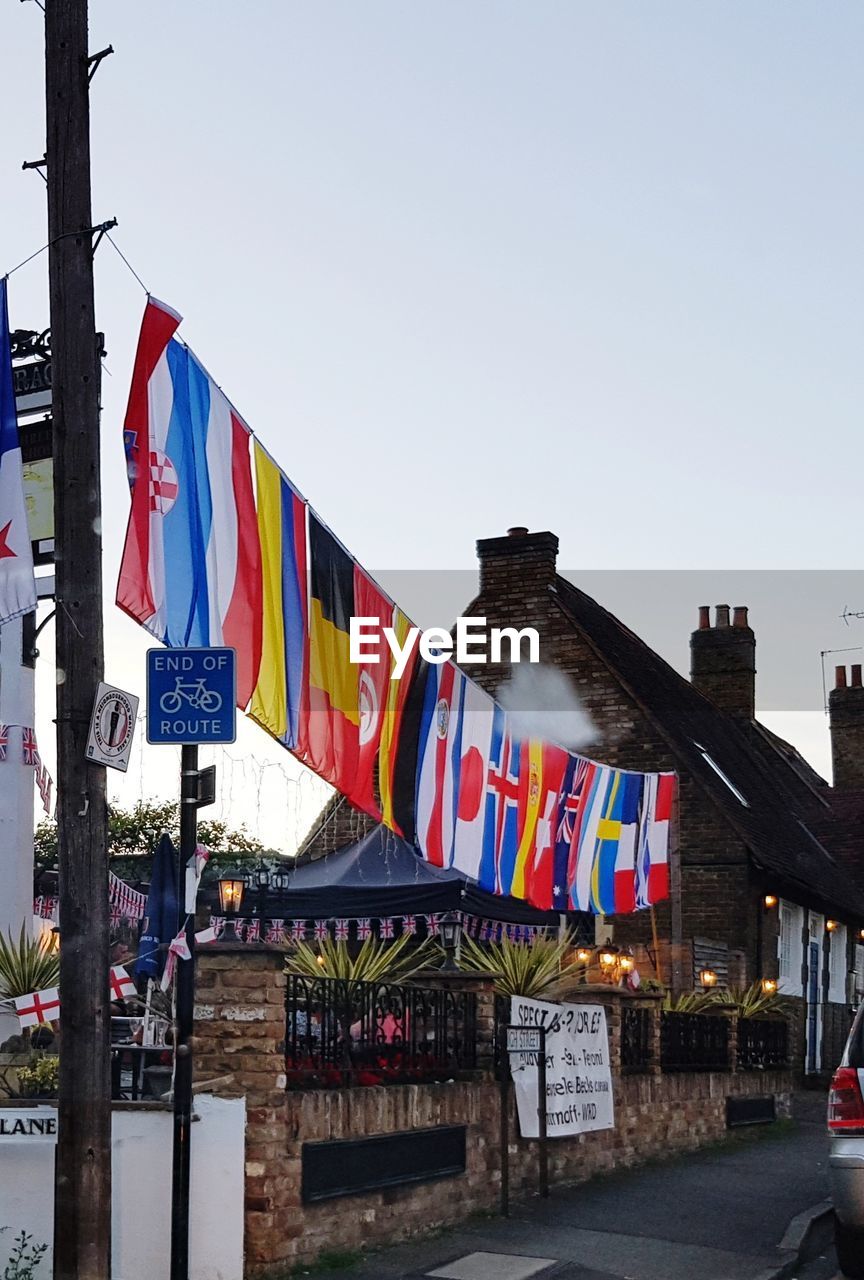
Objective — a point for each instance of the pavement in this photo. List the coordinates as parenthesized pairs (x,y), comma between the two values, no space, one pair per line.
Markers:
(753,1207)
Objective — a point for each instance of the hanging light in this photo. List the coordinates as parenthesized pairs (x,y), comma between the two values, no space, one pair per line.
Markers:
(707,978)
(769,986)
(831,925)
(280,880)
(450,927)
(770,901)
(231,888)
(262,878)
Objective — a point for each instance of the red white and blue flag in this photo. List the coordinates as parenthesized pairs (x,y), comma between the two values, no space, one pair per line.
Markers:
(191,569)
(439,762)
(17,583)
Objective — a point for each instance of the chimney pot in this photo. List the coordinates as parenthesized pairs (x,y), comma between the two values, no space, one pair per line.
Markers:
(517,531)
(704,617)
(839,677)
(722,615)
(856,675)
(739,616)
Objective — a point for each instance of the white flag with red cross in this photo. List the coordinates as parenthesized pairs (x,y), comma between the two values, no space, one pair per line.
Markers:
(122,986)
(40,1006)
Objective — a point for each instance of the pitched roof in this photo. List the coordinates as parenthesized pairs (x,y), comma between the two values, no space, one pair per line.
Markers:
(783,811)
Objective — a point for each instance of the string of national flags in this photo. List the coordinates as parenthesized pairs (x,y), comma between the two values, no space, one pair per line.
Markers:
(125,903)
(347,929)
(222,549)
(29,756)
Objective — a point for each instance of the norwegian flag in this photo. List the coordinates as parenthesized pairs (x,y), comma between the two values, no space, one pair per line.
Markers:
(322,930)
(341,930)
(409,924)
(385,927)
(29,749)
(253,930)
(433,924)
(276,931)
(4,740)
(364,928)
(41,1006)
(122,986)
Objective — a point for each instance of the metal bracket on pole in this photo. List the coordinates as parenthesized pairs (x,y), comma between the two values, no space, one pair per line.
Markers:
(95,60)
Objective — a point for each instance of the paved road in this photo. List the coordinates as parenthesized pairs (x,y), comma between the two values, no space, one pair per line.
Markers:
(719,1214)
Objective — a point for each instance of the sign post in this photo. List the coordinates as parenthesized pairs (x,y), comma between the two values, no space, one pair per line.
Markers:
(526,1042)
(191,699)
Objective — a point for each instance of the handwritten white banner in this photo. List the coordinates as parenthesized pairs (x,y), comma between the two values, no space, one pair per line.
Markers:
(578,1075)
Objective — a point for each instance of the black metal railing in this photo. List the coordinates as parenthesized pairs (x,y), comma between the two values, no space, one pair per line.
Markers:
(694,1042)
(763,1043)
(636,1027)
(139,1074)
(340,1032)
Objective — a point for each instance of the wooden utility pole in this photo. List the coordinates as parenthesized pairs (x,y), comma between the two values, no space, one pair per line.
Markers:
(82,1234)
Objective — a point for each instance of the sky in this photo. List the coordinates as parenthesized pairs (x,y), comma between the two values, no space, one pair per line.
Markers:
(580,266)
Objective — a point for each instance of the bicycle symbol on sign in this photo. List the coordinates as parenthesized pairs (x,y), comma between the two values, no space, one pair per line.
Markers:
(195,692)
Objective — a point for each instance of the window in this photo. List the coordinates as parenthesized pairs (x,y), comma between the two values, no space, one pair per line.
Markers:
(837,966)
(790,950)
(720,774)
(859,970)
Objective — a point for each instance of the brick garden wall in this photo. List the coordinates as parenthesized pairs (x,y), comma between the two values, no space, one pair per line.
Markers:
(240,1026)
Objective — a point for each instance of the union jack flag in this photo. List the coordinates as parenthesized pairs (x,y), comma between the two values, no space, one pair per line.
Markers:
(517,933)
(253,930)
(433,924)
(276,931)
(409,924)
(364,928)
(217,923)
(28,745)
(341,930)
(298,931)
(321,930)
(4,740)
(385,927)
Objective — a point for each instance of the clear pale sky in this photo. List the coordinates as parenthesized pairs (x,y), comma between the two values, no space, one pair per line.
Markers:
(587,267)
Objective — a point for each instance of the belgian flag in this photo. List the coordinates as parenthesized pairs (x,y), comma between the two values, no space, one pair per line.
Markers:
(331,741)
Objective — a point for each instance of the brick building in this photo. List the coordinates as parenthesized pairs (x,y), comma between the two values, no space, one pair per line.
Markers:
(768,881)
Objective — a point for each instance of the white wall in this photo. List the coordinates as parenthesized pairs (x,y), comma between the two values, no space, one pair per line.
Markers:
(141,1193)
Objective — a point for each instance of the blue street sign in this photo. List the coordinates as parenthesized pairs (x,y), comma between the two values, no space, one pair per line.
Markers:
(191,695)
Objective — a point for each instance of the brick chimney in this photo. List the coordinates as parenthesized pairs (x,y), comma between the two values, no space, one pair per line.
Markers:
(723,660)
(521,562)
(846,711)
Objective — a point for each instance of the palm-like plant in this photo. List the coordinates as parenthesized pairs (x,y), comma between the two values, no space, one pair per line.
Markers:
(522,969)
(30,964)
(376,961)
(750,1002)
(688,1002)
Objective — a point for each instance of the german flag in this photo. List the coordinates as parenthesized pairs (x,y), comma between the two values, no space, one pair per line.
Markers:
(331,741)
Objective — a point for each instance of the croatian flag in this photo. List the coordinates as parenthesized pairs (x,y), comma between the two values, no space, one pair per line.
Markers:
(17,583)
(438,763)
(191,569)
